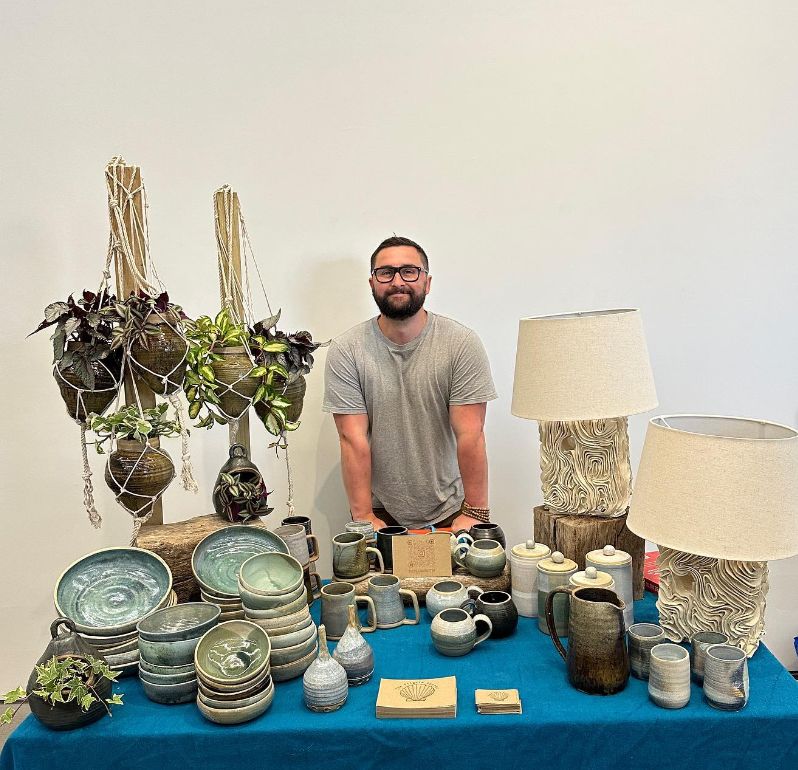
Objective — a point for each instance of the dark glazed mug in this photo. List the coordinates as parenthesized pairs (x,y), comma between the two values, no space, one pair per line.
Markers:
(385,538)
(497,605)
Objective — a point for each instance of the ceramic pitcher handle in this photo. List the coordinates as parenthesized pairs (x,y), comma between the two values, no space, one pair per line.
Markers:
(473,591)
(313,547)
(378,554)
(550,619)
(460,560)
(483,637)
(416,610)
(371,614)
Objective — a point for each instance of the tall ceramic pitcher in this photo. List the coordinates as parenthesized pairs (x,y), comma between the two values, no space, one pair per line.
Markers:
(597,659)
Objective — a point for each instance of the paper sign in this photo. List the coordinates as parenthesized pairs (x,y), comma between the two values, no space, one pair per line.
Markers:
(427,555)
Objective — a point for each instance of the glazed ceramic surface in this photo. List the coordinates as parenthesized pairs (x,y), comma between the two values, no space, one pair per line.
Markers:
(618,564)
(354,653)
(669,676)
(496,605)
(236,703)
(217,559)
(446,595)
(237,689)
(325,684)
(455,632)
(350,556)
(266,607)
(295,669)
(170,694)
(178,653)
(183,621)
(271,574)
(300,544)
(308,526)
(726,677)
(554,572)
(335,600)
(487,531)
(237,716)
(232,652)
(387,594)
(178,677)
(484,558)
(112,589)
(238,697)
(524,559)
(698,651)
(152,668)
(384,537)
(643,637)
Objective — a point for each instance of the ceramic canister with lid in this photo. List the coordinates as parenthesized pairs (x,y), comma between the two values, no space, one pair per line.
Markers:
(619,565)
(553,572)
(524,559)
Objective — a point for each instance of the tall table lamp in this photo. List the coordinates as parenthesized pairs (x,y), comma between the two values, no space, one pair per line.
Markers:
(719,495)
(580,375)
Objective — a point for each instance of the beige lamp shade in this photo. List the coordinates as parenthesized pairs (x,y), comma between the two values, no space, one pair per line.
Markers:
(582,366)
(724,487)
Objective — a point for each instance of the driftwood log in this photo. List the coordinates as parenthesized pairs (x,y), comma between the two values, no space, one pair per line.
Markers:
(576,535)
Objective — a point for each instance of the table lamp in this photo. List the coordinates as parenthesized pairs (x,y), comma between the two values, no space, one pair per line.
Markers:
(719,495)
(580,375)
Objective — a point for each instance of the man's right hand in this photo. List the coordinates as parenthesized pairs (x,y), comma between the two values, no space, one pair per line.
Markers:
(376,522)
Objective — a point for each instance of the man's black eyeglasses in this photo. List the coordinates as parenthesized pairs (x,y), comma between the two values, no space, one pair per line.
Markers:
(408,273)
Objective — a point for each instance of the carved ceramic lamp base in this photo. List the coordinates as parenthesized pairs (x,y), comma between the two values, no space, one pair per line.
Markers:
(584,466)
(698,593)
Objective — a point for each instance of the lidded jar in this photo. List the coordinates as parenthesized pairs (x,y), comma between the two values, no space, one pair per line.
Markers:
(524,559)
(553,572)
(618,564)
(590,577)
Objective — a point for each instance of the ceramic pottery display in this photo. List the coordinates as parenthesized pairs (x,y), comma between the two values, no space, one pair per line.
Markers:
(350,556)
(554,572)
(232,371)
(387,593)
(162,364)
(726,677)
(312,583)
(456,633)
(643,637)
(365,528)
(669,676)
(385,538)
(300,544)
(618,564)
(483,558)
(487,531)
(66,643)
(307,524)
(354,653)
(295,393)
(597,660)
(496,605)
(446,595)
(81,402)
(325,683)
(335,601)
(524,559)
(591,578)
(698,650)
(138,473)
(241,468)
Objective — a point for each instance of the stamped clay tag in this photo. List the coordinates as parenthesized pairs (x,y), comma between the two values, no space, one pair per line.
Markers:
(422,555)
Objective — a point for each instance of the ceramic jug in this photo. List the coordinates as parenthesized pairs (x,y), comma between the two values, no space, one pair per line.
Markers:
(597,659)
(483,558)
(350,556)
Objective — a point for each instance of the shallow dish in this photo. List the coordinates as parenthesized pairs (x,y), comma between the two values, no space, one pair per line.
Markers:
(302,625)
(123,658)
(180,622)
(255,601)
(227,697)
(177,653)
(146,676)
(116,649)
(235,716)
(281,611)
(282,641)
(170,694)
(295,669)
(232,653)
(111,639)
(217,703)
(281,621)
(217,558)
(271,574)
(244,688)
(109,591)
(153,668)
(227,601)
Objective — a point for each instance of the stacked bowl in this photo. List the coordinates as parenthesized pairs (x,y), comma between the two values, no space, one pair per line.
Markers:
(106,593)
(274,597)
(234,677)
(167,641)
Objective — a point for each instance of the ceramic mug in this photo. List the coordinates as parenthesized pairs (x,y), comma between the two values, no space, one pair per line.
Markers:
(300,544)
(350,556)
(364,527)
(669,676)
(335,601)
(643,637)
(698,651)
(487,531)
(455,632)
(496,605)
(483,558)
(305,522)
(387,594)
(725,677)
(446,595)
(385,538)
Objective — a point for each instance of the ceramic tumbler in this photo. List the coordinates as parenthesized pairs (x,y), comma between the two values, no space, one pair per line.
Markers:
(642,638)
(300,544)
(335,601)
(496,605)
(698,651)
(483,558)
(726,677)
(385,538)
(446,595)
(305,522)
(455,632)
(387,593)
(350,556)
(524,559)
(669,676)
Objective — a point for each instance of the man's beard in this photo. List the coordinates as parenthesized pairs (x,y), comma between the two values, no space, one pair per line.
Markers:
(403,311)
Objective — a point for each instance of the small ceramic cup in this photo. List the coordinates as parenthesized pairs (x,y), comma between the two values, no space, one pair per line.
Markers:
(350,557)
(643,637)
(335,601)
(387,593)
(446,595)
(725,677)
(300,544)
(669,676)
(385,538)
(483,558)
(698,651)
(455,632)
(364,527)
(305,522)
(485,531)
(496,605)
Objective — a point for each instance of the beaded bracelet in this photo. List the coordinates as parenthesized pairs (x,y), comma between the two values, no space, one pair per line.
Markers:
(480,514)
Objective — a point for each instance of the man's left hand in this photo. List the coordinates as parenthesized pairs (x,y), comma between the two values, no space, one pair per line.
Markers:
(463,522)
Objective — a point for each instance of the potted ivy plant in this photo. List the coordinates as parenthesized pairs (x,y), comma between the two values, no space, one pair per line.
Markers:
(87,369)
(138,471)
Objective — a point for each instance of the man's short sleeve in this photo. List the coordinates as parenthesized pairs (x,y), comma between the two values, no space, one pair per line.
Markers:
(472,382)
(342,391)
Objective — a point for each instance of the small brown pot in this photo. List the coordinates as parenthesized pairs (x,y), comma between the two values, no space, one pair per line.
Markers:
(165,355)
(148,476)
(107,375)
(232,371)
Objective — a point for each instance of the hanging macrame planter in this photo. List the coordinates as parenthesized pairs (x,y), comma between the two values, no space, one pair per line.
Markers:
(82,401)
(138,474)
(238,387)
(161,364)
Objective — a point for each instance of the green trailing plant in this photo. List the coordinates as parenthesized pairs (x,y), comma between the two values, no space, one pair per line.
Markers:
(129,423)
(293,353)
(134,318)
(244,499)
(83,332)
(65,680)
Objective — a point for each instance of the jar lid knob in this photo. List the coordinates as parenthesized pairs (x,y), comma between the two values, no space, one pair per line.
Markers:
(609,550)
(531,545)
(557,557)
(591,573)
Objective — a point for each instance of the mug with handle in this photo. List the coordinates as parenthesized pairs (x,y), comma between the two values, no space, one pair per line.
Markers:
(336,598)
(350,556)
(387,594)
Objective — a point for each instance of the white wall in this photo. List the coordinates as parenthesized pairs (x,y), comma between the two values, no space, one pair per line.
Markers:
(550,156)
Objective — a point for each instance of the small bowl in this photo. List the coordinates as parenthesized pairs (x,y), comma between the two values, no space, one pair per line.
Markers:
(236,689)
(226,603)
(232,653)
(164,679)
(110,640)
(170,694)
(302,625)
(271,574)
(236,716)
(123,658)
(289,640)
(286,655)
(255,601)
(261,685)
(153,668)
(285,620)
(169,653)
(178,623)
(279,612)
(232,615)
(116,649)
(216,703)
(295,669)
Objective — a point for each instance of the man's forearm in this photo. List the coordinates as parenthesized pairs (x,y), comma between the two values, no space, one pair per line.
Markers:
(472,458)
(356,472)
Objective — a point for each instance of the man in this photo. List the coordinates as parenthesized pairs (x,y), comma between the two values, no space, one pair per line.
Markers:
(408,391)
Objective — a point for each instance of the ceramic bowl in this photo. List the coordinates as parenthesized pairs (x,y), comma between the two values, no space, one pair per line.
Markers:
(107,592)
(152,668)
(217,558)
(252,601)
(146,676)
(271,574)
(178,623)
(123,658)
(286,655)
(280,622)
(235,716)
(289,640)
(226,603)
(279,612)
(116,649)
(218,703)
(260,685)
(170,694)
(169,653)
(111,640)
(277,633)
(232,653)
(295,669)
(126,669)
(247,688)
(233,615)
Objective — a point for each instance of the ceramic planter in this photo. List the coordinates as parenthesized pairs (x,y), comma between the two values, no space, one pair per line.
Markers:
(295,393)
(325,682)
(81,402)
(138,474)
(483,558)
(162,364)
(354,653)
(669,676)
(241,468)
(456,633)
(232,371)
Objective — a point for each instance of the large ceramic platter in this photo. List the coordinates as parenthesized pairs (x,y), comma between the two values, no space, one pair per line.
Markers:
(218,557)
(109,591)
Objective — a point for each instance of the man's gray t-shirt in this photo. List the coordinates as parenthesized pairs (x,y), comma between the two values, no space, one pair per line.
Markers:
(406,390)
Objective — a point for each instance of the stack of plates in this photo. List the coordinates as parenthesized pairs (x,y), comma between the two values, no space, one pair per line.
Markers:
(273,593)
(167,641)
(233,669)
(106,593)
(218,558)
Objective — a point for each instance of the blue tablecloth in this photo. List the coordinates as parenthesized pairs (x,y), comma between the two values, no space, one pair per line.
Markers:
(560,727)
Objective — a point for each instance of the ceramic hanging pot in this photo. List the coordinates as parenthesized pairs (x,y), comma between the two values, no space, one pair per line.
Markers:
(241,468)
(80,402)
(138,474)
(294,392)
(325,683)
(232,371)
(354,653)
(162,364)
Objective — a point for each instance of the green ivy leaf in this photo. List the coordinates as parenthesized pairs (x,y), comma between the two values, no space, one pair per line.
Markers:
(14,695)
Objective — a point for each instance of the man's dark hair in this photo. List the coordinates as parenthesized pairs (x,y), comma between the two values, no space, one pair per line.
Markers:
(398,240)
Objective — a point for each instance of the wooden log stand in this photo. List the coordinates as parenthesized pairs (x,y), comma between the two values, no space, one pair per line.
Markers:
(576,535)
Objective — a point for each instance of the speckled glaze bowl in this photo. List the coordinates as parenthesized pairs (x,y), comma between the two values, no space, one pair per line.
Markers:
(179,653)
(238,714)
(260,602)
(170,694)
(178,623)
(232,653)
(271,574)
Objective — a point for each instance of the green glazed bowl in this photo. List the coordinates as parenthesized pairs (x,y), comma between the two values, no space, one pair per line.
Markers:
(169,694)
(253,601)
(235,716)
(183,621)
(271,574)
(178,653)
(217,558)
(232,653)
(164,679)
(152,668)
(107,592)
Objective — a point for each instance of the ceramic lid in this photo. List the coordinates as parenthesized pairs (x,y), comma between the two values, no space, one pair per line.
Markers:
(557,563)
(531,550)
(609,557)
(593,578)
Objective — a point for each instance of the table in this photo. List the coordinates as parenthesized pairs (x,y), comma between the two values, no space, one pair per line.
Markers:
(560,727)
